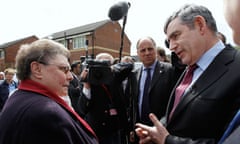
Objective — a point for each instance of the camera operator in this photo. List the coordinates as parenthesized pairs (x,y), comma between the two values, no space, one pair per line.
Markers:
(102,104)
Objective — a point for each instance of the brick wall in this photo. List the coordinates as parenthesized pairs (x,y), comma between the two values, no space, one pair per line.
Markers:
(11,52)
(106,39)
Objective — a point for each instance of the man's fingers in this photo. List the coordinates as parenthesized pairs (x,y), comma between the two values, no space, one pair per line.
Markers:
(141,133)
(155,120)
(142,126)
(145,140)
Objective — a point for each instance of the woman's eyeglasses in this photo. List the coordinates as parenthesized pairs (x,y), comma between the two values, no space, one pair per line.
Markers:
(64,69)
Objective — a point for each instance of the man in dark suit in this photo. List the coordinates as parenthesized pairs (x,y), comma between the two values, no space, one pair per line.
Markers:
(212,98)
(161,80)
(75,86)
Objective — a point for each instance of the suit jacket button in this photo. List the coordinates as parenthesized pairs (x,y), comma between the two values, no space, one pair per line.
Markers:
(103,124)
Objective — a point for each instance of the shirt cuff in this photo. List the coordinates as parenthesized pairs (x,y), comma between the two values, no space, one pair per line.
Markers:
(87,93)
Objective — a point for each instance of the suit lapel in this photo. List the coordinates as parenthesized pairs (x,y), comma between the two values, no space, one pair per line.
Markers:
(156,74)
(138,76)
(214,71)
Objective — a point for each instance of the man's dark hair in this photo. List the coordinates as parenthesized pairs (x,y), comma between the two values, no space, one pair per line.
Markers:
(74,64)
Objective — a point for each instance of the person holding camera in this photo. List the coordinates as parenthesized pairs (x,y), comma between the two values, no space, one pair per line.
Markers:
(101,102)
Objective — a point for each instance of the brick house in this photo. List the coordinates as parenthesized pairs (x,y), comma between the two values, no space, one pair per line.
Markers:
(90,39)
(94,38)
(9,50)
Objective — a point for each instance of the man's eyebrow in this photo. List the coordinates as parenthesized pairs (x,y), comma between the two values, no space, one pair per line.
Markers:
(172,35)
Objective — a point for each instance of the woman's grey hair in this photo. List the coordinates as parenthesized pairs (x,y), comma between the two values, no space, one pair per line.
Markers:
(40,51)
(187,16)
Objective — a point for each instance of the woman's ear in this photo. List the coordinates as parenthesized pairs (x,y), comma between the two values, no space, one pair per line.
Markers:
(36,70)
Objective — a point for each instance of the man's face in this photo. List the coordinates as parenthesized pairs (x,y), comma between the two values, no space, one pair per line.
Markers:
(9,76)
(77,70)
(1,76)
(146,52)
(185,42)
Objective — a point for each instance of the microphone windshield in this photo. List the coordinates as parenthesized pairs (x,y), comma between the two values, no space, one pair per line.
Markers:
(118,10)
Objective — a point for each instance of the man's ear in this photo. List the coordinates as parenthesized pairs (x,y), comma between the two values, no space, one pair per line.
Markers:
(36,70)
(200,24)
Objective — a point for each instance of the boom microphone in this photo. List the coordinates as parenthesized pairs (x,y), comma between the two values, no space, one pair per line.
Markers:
(118,10)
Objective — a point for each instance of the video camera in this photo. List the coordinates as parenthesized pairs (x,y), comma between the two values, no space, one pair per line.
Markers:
(99,72)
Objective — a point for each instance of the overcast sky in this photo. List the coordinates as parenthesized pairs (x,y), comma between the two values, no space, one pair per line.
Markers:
(23,18)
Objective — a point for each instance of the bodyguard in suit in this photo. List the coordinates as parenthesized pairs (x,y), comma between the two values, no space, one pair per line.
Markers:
(161,84)
(154,98)
(213,96)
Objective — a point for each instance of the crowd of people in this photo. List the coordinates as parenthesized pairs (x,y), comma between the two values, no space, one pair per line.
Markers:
(189,97)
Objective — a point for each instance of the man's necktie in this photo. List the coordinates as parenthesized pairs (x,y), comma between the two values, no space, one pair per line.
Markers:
(232,126)
(145,101)
(182,87)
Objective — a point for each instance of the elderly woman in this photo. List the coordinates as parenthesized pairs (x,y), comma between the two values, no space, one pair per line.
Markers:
(36,113)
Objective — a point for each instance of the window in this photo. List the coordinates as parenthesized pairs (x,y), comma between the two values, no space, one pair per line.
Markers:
(79,42)
(64,42)
(2,54)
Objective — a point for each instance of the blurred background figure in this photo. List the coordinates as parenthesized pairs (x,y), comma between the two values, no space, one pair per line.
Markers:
(129,92)
(116,60)
(7,86)
(2,76)
(76,69)
(161,55)
(75,86)
(222,37)
(126,59)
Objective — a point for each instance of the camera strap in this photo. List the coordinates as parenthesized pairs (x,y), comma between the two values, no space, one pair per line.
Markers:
(112,109)
(108,93)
